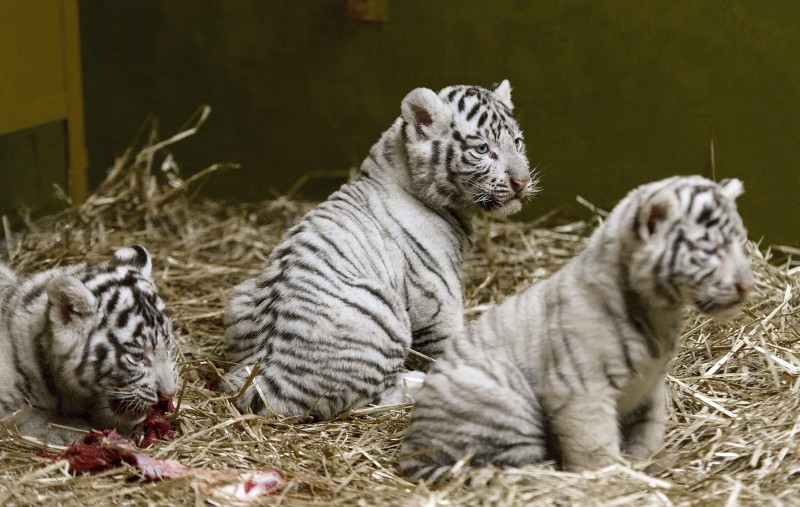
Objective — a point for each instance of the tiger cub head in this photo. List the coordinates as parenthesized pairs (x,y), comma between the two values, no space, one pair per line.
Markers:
(693,240)
(110,330)
(465,149)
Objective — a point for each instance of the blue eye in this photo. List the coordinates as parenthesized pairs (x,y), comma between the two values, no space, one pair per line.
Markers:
(482,149)
(136,356)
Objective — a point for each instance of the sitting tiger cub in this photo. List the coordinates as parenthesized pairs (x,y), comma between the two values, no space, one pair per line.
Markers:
(87,346)
(376,268)
(573,367)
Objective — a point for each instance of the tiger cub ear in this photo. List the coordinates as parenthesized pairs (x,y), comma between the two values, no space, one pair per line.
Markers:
(136,257)
(731,188)
(423,109)
(72,305)
(502,91)
(657,211)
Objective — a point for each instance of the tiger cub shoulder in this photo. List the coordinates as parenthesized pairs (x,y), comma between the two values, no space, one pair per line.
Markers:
(376,268)
(573,368)
(85,345)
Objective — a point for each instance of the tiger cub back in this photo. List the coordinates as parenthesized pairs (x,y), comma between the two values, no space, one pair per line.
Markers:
(573,367)
(376,268)
(87,345)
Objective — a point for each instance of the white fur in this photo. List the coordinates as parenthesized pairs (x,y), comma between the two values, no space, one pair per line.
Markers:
(503,92)
(376,268)
(423,109)
(54,339)
(579,360)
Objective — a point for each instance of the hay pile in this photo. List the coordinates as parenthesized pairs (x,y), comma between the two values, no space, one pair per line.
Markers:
(734,408)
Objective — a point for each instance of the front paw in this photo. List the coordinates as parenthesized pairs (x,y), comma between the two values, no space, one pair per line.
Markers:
(62,437)
(639,452)
(51,435)
(105,419)
(594,461)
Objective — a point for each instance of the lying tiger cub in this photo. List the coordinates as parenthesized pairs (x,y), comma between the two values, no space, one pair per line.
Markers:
(86,346)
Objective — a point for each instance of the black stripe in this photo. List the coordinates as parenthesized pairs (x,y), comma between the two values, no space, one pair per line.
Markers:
(610,379)
(129,280)
(44,363)
(423,255)
(322,256)
(449,157)
(311,396)
(112,302)
(461,141)
(325,375)
(137,332)
(474,111)
(637,316)
(141,256)
(705,215)
(377,319)
(437,152)
(295,345)
(34,294)
(123,317)
(561,303)
(328,215)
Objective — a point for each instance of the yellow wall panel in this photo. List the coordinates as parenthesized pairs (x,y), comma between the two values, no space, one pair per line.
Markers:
(40,75)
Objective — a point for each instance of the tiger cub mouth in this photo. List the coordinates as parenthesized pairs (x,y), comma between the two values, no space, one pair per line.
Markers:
(500,208)
(718,309)
(128,410)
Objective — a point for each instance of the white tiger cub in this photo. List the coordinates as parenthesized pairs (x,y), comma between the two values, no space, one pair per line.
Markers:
(376,268)
(87,346)
(573,367)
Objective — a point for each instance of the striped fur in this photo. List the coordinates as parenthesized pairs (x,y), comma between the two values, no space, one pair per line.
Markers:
(376,269)
(573,367)
(86,345)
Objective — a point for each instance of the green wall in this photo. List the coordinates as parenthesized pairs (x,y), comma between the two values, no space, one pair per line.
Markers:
(32,161)
(609,94)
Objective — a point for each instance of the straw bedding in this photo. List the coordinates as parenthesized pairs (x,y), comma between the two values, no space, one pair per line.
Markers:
(734,426)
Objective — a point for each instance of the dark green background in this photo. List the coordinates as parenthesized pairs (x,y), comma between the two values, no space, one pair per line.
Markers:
(32,161)
(609,94)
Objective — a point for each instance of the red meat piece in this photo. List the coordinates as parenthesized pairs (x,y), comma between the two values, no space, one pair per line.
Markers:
(155,427)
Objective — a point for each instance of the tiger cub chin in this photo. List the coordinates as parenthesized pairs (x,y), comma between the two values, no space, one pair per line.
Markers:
(376,268)
(86,346)
(573,368)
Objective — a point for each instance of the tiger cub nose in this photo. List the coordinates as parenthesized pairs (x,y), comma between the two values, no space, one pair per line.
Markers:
(519,184)
(743,288)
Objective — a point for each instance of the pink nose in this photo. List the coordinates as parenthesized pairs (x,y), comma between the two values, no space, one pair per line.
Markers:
(519,184)
(744,288)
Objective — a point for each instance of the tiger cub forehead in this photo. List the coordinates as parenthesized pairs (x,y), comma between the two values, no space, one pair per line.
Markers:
(709,208)
(486,111)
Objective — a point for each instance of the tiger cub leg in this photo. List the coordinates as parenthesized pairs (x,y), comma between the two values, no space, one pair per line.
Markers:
(588,432)
(35,422)
(480,413)
(643,429)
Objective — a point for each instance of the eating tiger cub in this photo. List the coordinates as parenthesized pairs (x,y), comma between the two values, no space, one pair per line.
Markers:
(86,346)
